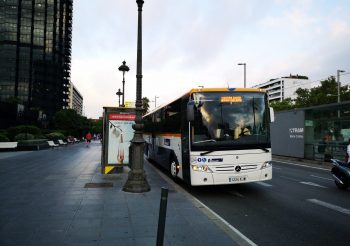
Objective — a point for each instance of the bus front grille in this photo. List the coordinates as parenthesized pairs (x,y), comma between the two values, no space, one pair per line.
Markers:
(231,168)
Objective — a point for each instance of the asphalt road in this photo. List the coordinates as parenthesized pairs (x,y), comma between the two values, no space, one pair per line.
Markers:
(299,206)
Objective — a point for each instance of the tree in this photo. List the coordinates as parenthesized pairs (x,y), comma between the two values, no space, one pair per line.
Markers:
(97,126)
(71,122)
(326,93)
(145,105)
(282,105)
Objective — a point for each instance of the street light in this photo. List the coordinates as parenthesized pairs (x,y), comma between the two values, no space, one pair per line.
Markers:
(338,83)
(119,93)
(155,101)
(123,68)
(137,182)
(243,64)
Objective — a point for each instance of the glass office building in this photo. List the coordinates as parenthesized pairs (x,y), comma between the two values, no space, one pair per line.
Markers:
(35,57)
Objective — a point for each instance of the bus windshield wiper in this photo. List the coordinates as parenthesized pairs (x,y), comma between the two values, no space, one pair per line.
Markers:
(204,141)
(207,152)
(264,149)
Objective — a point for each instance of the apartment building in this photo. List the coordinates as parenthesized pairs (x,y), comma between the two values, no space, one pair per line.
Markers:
(284,87)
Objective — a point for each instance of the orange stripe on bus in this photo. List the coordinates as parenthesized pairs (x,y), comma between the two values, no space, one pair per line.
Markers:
(170,135)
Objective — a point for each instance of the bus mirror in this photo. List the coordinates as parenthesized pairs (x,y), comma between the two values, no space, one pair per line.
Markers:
(272,115)
(190,111)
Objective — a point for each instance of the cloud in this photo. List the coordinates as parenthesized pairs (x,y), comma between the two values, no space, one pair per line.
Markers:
(192,43)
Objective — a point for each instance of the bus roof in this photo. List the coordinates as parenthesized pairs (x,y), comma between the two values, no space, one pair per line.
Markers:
(225,89)
(208,90)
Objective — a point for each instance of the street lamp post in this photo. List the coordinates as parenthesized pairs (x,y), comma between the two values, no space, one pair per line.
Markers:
(119,93)
(338,83)
(123,68)
(137,182)
(243,64)
(155,101)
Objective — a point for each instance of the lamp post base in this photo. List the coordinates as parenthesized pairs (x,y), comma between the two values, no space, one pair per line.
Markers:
(137,182)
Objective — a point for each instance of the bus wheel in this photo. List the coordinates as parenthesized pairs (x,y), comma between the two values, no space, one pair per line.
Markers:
(173,169)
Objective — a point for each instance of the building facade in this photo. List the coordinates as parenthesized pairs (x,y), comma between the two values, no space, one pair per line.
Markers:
(284,87)
(75,99)
(35,57)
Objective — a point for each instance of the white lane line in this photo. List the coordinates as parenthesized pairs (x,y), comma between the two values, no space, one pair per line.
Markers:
(319,168)
(319,177)
(289,178)
(330,206)
(264,184)
(234,233)
(246,241)
(313,184)
(235,193)
(277,168)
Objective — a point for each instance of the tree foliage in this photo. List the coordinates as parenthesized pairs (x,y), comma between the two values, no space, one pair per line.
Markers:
(145,105)
(325,93)
(71,122)
(282,105)
(97,126)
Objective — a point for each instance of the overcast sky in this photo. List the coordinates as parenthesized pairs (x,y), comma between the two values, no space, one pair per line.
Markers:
(191,43)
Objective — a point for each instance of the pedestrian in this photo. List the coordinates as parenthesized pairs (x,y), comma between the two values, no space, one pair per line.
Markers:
(347,159)
(88,138)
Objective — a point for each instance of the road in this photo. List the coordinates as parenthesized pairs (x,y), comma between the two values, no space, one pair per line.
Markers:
(299,206)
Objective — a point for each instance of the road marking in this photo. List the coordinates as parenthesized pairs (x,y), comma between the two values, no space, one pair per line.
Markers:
(235,193)
(246,241)
(289,178)
(319,177)
(263,184)
(277,168)
(234,233)
(313,184)
(324,169)
(330,206)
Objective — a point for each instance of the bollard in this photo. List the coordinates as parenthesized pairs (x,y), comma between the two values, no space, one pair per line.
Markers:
(162,216)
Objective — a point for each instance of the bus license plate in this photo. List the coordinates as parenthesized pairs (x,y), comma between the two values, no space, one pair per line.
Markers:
(237,179)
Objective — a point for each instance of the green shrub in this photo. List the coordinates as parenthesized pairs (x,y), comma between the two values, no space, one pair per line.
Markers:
(55,136)
(15,130)
(40,136)
(3,138)
(24,136)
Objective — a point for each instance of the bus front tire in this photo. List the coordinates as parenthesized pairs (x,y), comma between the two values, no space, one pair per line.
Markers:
(173,169)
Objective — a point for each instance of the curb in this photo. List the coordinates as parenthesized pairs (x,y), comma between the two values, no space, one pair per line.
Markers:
(228,229)
(303,162)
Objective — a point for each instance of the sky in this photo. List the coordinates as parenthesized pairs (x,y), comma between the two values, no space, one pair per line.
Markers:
(192,43)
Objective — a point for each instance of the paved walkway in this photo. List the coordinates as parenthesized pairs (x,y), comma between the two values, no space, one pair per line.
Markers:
(43,202)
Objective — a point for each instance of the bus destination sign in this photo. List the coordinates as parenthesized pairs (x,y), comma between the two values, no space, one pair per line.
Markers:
(231,99)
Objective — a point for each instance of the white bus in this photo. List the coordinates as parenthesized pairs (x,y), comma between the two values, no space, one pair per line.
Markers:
(212,136)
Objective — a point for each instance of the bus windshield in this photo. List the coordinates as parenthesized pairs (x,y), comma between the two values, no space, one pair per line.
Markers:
(230,120)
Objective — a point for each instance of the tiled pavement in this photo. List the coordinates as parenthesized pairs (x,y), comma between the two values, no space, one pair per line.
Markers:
(43,202)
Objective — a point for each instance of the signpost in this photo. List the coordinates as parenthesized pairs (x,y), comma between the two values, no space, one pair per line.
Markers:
(117,134)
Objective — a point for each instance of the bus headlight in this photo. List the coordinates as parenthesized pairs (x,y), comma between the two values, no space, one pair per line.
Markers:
(266,164)
(201,168)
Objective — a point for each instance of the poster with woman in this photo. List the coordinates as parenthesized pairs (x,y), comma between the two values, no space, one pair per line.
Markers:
(119,137)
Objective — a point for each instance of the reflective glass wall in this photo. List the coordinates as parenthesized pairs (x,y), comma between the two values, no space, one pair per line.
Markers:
(327,131)
(35,54)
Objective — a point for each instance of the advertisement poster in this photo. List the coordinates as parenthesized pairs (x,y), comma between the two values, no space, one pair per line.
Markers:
(120,135)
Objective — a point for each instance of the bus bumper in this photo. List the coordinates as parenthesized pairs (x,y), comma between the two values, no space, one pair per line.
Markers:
(203,178)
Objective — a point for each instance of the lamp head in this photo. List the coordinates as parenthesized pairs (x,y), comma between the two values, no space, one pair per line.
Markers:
(124,68)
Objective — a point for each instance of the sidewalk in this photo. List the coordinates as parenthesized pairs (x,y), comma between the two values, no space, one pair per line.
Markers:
(44,202)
